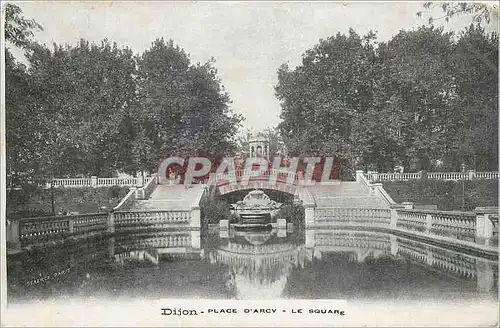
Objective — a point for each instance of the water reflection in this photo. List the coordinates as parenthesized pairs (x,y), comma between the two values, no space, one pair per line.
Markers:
(258,263)
(252,265)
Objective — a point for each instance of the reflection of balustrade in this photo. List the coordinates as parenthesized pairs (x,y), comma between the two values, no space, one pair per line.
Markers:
(444,260)
(353,239)
(163,240)
(433,257)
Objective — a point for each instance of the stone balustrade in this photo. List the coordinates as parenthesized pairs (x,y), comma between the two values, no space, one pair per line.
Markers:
(411,220)
(99,182)
(151,219)
(335,215)
(280,175)
(448,176)
(29,231)
(479,227)
(43,230)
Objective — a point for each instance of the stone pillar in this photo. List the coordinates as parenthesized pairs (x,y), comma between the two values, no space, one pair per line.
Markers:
(281,233)
(394,218)
(111,222)
(471,174)
(310,239)
(223,233)
(394,245)
(140,180)
(407,205)
(359,173)
(12,235)
(484,228)
(224,224)
(374,176)
(213,178)
(281,223)
(111,247)
(309,215)
(195,217)
(428,223)
(485,277)
(93,181)
(196,239)
(429,257)
(71,225)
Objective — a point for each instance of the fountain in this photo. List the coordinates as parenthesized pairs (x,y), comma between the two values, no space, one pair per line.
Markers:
(255,211)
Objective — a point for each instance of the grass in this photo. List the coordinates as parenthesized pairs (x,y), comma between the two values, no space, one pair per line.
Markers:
(38,202)
(446,195)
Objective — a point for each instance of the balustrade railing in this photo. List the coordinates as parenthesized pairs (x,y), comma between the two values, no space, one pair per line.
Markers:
(44,229)
(99,182)
(460,225)
(411,220)
(457,225)
(151,219)
(372,176)
(449,176)
(278,175)
(353,215)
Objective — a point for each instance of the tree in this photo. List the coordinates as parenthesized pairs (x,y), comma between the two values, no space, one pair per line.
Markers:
(414,94)
(183,107)
(421,99)
(474,121)
(22,137)
(480,11)
(18,29)
(84,94)
(321,98)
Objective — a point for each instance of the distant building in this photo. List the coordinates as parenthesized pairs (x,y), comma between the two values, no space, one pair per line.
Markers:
(259,147)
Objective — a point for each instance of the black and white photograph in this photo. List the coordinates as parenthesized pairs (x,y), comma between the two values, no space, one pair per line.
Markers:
(249,163)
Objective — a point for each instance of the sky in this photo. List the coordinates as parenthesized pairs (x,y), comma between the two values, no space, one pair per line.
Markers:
(249,40)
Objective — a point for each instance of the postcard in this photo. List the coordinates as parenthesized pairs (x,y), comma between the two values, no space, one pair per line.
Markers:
(249,164)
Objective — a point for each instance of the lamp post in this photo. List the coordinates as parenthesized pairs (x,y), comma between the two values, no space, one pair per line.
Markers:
(463,187)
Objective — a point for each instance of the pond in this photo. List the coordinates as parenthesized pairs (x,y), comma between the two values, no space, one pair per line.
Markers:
(277,264)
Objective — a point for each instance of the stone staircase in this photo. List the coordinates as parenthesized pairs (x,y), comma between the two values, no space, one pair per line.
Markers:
(169,197)
(346,195)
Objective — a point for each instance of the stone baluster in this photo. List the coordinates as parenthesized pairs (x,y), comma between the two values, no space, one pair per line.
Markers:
(93,181)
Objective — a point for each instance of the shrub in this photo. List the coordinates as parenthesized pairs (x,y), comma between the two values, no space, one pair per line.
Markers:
(446,195)
(292,213)
(214,210)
